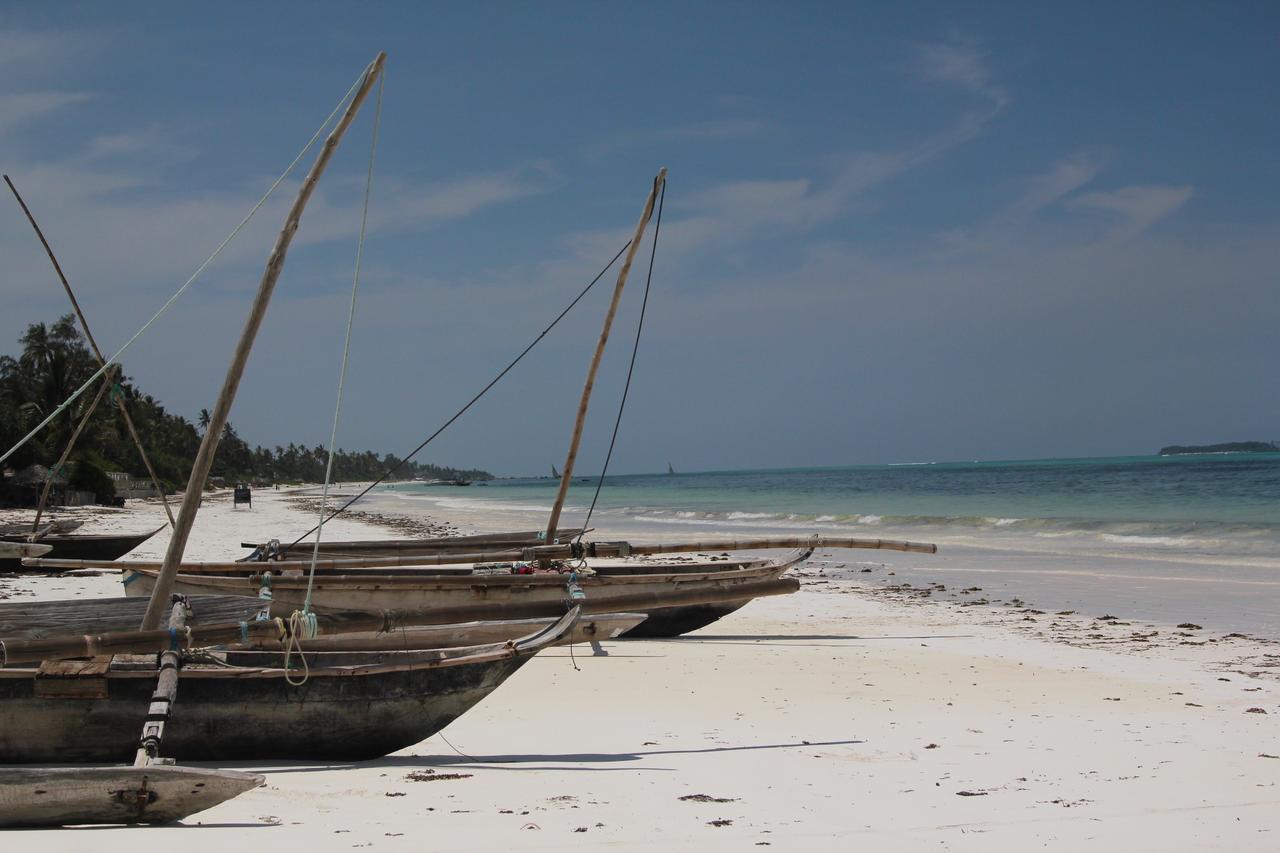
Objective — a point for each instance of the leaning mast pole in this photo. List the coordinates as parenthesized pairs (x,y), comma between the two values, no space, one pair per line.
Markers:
(84,324)
(567,475)
(222,409)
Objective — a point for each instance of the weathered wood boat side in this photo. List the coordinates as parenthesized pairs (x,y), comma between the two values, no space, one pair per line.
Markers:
(373,590)
(239,706)
(32,619)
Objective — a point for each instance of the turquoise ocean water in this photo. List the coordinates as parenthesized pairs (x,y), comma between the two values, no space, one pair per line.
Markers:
(1156,533)
(1231,501)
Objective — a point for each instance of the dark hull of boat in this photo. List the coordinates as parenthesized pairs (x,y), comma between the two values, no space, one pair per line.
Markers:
(668,622)
(239,705)
(80,546)
(347,717)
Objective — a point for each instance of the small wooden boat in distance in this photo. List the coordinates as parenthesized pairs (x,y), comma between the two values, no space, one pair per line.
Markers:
(76,546)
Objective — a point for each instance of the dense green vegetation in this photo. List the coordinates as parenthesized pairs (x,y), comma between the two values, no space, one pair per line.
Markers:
(55,360)
(1229,447)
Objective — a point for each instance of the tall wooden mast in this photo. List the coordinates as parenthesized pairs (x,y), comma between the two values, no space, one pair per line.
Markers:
(567,475)
(222,409)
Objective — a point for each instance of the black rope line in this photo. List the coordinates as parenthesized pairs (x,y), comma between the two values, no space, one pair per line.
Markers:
(473,400)
(644,304)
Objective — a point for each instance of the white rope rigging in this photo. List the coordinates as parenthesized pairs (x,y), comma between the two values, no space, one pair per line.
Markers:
(106,364)
(346,347)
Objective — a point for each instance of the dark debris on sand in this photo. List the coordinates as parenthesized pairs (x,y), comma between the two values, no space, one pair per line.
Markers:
(433,776)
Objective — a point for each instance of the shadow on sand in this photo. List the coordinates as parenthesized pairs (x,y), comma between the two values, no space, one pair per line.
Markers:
(536,761)
(744,638)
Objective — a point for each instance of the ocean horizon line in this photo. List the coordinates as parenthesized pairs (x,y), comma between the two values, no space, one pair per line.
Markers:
(1121,459)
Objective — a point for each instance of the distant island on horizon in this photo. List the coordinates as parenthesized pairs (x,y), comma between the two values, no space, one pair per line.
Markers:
(1228,447)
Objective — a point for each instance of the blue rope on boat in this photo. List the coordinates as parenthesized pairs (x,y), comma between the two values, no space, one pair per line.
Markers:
(571,586)
(174,645)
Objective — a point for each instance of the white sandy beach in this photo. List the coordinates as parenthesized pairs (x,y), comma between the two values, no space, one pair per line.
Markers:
(843,716)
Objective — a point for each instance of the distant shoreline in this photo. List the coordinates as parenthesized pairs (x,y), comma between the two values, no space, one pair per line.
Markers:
(1227,447)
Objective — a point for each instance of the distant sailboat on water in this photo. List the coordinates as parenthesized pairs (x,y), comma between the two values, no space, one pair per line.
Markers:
(670,470)
(554,473)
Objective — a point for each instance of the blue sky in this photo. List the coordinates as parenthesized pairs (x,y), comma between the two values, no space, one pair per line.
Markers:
(890,235)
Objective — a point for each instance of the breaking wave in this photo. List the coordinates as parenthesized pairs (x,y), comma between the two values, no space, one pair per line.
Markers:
(1157,534)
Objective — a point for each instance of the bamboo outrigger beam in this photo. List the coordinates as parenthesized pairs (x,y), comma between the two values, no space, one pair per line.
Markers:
(222,409)
(567,551)
(84,324)
(567,475)
(166,690)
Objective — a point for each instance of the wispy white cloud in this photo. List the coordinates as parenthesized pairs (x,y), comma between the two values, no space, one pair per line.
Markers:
(20,108)
(1139,206)
(463,196)
(42,49)
(958,62)
(735,212)
(1039,193)
(154,144)
(1060,180)
(114,212)
(708,130)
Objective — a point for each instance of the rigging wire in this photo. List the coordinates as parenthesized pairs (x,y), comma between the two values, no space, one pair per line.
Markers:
(195,275)
(474,399)
(644,304)
(346,347)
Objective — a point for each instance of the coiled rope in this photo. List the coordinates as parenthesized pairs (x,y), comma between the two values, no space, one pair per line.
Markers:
(301,626)
(106,364)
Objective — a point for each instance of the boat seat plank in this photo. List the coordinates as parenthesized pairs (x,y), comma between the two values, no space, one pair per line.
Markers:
(73,679)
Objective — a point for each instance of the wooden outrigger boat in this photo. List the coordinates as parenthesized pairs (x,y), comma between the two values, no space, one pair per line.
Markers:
(240,705)
(78,546)
(446,588)
(44,620)
(152,789)
(439,583)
